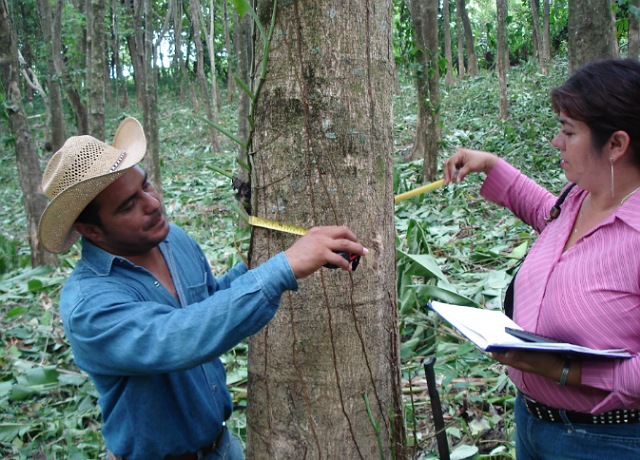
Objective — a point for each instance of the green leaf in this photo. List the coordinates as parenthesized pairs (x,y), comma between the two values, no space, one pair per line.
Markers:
(425,265)
(427,292)
(242,6)
(464,452)
(8,431)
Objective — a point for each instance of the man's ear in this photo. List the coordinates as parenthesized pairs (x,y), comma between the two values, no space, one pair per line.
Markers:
(89,231)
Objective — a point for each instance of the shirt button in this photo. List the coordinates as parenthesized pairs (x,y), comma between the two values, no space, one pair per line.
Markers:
(156,284)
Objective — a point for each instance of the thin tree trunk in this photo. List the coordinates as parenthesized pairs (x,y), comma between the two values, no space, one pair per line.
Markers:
(80,110)
(537,36)
(634,30)
(29,171)
(502,10)
(244,52)
(461,67)
(472,60)
(546,33)
(56,121)
(200,76)
(324,374)
(424,16)
(231,86)
(96,67)
(448,53)
(150,100)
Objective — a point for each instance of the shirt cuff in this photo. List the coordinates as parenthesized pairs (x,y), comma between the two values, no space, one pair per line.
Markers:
(276,276)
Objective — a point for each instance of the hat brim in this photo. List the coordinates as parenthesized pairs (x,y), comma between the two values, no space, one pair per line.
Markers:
(55,231)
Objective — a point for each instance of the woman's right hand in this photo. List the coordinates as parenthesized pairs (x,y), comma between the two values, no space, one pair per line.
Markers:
(464,161)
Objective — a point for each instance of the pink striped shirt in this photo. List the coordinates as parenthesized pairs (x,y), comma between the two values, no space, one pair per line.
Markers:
(588,295)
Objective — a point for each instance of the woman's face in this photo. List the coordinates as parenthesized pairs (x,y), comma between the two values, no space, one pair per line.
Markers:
(582,163)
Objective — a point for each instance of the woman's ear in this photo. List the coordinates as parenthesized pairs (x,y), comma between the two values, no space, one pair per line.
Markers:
(618,145)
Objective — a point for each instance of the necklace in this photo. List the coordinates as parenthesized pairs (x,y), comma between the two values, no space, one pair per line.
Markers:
(576,225)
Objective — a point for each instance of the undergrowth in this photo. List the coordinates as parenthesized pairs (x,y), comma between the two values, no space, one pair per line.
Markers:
(452,246)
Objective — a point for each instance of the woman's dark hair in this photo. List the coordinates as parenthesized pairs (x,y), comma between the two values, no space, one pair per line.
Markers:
(605,95)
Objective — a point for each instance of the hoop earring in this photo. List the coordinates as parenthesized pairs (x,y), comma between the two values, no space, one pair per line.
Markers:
(612,187)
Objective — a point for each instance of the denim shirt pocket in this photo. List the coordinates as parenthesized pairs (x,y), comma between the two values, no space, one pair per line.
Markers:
(199,291)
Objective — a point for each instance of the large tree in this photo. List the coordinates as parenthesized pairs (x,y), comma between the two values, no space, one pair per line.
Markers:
(324,378)
(589,39)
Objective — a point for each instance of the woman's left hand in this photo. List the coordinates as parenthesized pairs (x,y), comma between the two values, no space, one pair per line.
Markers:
(548,365)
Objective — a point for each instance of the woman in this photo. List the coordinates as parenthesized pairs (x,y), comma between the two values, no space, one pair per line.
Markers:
(580,282)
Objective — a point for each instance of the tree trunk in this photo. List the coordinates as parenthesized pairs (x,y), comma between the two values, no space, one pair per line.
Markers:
(244,52)
(80,110)
(135,42)
(589,39)
(472,60)
(502,10)
(120,80)
(56,121)
(231,86)
(202,80)
(95,67)
(461,66)
(546,32)
(323,154)
(448,52)
(150,100)
(538,36)
(29,171)
(634,29)
(424,17)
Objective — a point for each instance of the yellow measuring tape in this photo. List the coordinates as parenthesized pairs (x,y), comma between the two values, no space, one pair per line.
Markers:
(419,190)
(294,229)
(275,225)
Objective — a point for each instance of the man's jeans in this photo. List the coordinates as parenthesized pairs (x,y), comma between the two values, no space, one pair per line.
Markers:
(540,440)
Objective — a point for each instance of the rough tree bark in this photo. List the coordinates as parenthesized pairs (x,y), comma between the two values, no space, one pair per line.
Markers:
(96,67)
(29,172)
(322,152)
(589,39)
(424,16)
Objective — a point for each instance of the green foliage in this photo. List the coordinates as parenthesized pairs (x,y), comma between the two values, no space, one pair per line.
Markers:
(451,245)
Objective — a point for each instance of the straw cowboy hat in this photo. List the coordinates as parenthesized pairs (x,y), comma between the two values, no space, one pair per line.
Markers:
(78,172)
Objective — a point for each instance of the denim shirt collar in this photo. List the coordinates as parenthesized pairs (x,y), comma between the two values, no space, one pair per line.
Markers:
(101,262)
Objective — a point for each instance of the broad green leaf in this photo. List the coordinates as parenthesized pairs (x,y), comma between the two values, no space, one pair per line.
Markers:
(464,452)
(242,6)
(425,265)
(8,431)
(428,292)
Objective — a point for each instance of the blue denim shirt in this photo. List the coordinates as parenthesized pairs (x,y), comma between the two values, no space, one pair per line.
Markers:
(155,360)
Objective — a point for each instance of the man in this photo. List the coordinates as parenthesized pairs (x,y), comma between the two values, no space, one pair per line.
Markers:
(142,311)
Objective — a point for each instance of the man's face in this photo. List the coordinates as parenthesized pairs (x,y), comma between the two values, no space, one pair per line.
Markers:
(131,215)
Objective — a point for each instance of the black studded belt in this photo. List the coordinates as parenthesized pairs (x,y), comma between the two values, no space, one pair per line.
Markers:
(550,414)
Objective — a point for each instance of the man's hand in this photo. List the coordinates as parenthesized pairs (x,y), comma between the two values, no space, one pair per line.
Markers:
(320,246)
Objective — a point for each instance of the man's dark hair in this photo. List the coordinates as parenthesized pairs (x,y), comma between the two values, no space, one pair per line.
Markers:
(89,215)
